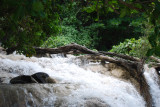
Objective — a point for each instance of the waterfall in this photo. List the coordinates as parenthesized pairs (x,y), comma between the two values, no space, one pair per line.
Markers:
(81,85)
(153,81)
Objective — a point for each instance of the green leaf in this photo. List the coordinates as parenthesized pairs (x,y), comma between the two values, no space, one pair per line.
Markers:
(96,19)
(90,9)
(110,9)
(37,6)
(156,30)
(152,40)
(114,1)
(152,19)
(20,12)
(157,51)
(138,5)
(150,52)
(159,39)
(157,5)
(123,12)
(2,34)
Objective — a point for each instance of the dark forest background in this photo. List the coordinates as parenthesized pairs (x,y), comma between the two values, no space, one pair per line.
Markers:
(122,26)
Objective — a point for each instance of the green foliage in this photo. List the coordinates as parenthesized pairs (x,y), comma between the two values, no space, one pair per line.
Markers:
(133,47)
(93,23)
(150,9)
(56,41)
(71,35)
(26,23)
(73,31)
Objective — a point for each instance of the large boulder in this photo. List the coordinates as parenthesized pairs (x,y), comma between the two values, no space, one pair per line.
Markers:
(23,79)
(40,77)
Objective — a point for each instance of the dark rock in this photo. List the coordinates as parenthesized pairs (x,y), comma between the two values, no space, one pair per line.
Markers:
(23,79)
(40,77)
(158,70)
(10,50)
(95,102)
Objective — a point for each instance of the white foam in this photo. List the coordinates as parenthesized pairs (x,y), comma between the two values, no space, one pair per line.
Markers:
(153,79)
(108,89)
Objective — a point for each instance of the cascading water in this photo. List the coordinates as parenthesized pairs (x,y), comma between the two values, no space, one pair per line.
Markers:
(153,81)
(76,87)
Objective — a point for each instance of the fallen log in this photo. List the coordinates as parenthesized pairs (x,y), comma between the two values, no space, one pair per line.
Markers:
(78,49)
(75,48)
(120,55)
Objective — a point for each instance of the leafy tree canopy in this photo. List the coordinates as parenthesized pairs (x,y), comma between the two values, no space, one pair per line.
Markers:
(150,8)
(27,23)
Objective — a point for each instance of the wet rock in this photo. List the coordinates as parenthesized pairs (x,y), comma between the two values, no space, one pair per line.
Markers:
(158,70)
(2,50)
(40,77)
(23,79)
(33,95)
(95,102)
(50,80)
(2,79)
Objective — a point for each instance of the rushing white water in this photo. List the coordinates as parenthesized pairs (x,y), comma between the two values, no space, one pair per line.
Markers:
(110,90)
(153,81)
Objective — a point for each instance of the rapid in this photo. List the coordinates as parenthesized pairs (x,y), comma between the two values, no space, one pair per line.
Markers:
(76,86)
